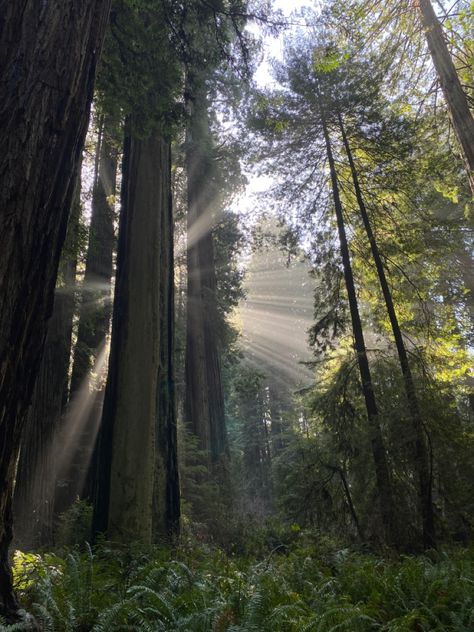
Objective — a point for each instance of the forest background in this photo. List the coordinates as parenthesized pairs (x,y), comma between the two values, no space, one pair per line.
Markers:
(159,399)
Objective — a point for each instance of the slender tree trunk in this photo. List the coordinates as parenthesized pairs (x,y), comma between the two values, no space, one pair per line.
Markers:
(458,106)
(382,472)
(348,496)
(166,498)
(350,504)
(421,454)
(138,495)
(204,394)
(48,57)
(277,410)
(36,475)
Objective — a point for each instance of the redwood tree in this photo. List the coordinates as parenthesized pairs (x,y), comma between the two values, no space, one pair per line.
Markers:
(204,394)
(137,483)
(37,467)
(138,495)
(48,57)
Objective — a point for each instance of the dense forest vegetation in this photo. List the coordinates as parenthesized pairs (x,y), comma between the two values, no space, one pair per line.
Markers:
(220,409)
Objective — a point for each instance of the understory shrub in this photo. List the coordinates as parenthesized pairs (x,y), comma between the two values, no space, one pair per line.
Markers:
(304,587)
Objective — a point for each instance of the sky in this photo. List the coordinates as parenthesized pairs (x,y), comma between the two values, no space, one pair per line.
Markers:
(273,49)
(274,46)
(277,312)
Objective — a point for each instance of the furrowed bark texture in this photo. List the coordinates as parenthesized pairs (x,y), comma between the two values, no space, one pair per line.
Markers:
(138,494)
(36,476)
(204,406)
(48,57)
(382,472)
(422,461)
(458,106)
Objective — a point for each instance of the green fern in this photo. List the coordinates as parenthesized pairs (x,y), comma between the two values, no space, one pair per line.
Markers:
(128,590)
(112,617)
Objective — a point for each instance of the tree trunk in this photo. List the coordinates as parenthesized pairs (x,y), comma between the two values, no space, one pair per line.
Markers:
(277,411)
(382,472)
(458,106)
(48,57)
(204,394)
(422,464)
(77,472)
(350,504)
(95,311)
(138,495)
(36,475)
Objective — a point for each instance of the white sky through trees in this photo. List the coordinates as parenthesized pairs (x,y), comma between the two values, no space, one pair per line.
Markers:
(278,309)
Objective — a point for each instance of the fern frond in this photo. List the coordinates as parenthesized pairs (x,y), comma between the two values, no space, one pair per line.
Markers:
(164,606)
(107,619)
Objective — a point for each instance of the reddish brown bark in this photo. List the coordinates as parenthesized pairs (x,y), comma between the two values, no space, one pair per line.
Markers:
(48,57)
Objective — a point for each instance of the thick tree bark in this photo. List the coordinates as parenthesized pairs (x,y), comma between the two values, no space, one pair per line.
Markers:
(204,406)
(384,486)
(458,106)
(422,463)
(48,57)
(36,475)
(138,495)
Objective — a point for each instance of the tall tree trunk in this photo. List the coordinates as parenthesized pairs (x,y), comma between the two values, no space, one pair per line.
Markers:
(48,57)
(382,472)
(350,503)
(204,404)
(348,496)
(36,475)
(95,311)
(458,106)
(422,463)
(277,412)
(77,472)
(138,495)
(166,500)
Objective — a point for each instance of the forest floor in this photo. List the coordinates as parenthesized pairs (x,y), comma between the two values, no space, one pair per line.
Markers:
(309,585)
